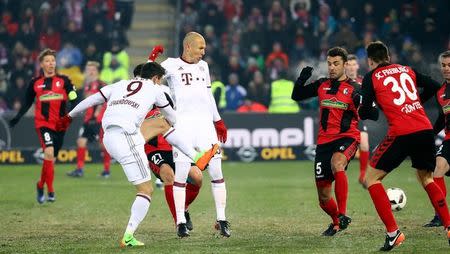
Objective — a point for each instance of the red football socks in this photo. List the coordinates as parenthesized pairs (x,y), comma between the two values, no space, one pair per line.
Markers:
(441,183)
(330,207)
(341,191)
(439,203)
(106,160)
(383,206)
(191,193)
(49,172)
(168,190)
(81,155)
(363,162)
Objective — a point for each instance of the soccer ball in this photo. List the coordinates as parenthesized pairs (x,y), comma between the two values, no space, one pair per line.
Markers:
(397,197)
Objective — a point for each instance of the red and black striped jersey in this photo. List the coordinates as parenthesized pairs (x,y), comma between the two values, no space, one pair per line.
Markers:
(443,121)
(89,89)
(50,95)
(338,102)
(394,88)
(158,143)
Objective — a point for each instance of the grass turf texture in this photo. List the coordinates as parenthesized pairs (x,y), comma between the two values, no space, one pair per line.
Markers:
(272,208)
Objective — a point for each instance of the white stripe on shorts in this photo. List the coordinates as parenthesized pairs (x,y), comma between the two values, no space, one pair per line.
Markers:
(136,155)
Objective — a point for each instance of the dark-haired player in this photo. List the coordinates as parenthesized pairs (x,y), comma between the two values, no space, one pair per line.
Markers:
(443,153)
(338,136)
(50,92)
(351,70)
(394,88)
(129,101)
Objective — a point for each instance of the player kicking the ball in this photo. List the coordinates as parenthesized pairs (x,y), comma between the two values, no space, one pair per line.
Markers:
(129,101)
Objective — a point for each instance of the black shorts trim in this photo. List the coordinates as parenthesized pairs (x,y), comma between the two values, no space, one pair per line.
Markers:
(393,150)
(324,153)
(51,138)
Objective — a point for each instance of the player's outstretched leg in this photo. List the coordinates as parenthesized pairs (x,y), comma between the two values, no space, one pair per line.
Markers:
(139,210)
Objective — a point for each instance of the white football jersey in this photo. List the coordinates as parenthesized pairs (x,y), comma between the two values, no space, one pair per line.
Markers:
(129,101)
(190,87)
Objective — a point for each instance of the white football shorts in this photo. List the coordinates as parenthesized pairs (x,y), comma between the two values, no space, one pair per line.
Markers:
(201,136)
(128,150)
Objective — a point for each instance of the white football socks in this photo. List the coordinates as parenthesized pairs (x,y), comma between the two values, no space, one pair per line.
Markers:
(138,211)
(220,198)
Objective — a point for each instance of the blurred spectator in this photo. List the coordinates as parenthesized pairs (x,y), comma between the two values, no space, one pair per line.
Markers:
(20,70)
(324,24)
(189,18)
(212,16)
(12,27)
(126,10)
(98,37)
(235,93)
(91,54)
(280,97)
(27,36)
(4,57)
(301,46)
(15,93)
(69,56)
(251,107)
(256,17)
(233,10)
(277,53)
(345,37)
(219,91)
(115,64)
(258,89)
(3,82)
(276,15)
(252,35)
(72,34)
(51,38)
(29,18)
(409,22)
(74,12)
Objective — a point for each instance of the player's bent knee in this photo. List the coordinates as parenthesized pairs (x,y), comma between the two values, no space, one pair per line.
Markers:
(145,188)
(167,175)
(196,175)
(425,177)
(49,153)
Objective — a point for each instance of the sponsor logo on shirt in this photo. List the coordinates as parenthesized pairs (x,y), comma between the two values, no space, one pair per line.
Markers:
(334,103)
(51,97)
(446,109)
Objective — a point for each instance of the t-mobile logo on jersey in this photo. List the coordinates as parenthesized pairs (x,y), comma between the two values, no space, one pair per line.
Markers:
(186,78)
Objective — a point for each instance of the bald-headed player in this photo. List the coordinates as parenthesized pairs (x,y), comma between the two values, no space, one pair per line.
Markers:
(199,122)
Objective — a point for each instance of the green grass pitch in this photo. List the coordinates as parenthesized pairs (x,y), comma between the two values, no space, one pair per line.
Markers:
(272,208)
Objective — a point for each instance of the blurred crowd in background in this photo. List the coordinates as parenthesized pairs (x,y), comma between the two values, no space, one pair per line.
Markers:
(250,43)
(262,41)
(79,30)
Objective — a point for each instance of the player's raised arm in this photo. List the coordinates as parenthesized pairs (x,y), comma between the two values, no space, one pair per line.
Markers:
(302,91)
(367,110)
(429,85)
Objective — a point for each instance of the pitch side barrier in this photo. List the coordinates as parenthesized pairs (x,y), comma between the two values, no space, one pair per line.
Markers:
(251,137)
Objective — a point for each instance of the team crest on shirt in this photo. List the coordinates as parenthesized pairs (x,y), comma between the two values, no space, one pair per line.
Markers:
(345,91)
(175,154)
(201,68)
(58,84)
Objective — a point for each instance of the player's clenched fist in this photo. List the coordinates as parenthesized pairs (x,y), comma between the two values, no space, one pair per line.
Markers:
(305,74)
(63,123)
(221,130)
